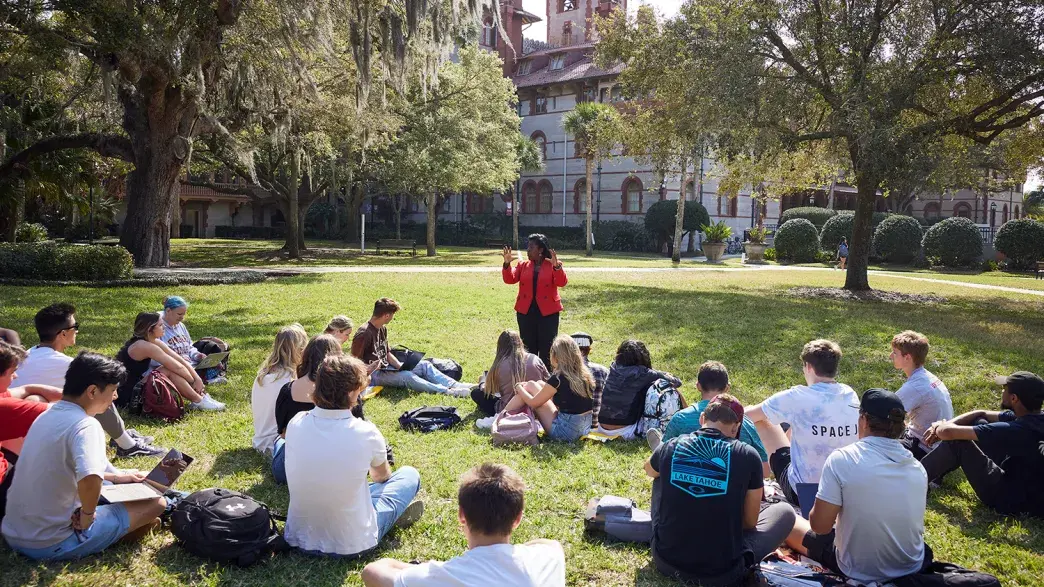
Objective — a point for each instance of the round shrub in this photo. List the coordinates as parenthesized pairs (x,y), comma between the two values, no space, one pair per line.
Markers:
(54,262)
(30,232)
(1021,241)
(817,216)
(797,241)
(898,239)
(659,220)
(954,242)
(835,229)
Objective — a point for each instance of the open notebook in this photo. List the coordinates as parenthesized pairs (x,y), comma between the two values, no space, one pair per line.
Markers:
(159,480)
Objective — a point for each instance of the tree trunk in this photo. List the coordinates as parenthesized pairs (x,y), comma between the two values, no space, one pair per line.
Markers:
(11,216)
(680,217)
(698,189)
(431,200)
(398,203)
(859,249)
(293,217)
(516,202)
(589,196)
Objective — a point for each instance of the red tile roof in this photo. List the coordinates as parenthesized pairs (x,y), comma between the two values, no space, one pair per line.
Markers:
(583,69)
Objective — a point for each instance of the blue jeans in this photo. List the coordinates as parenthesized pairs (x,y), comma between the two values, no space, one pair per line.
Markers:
(424,377)
(279,461)
(569,427)
(111,522)
(390,500)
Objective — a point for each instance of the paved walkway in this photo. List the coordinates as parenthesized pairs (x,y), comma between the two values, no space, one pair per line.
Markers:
(290,271)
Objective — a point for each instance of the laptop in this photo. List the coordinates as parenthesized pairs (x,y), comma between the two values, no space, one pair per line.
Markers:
(156,483)
(806,497)
(409,361)
(211,361)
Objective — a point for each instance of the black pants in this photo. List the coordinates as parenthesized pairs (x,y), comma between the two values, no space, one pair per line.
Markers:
(985,477)
(486,404)
(821,548)
(779,462)
(6,483)
(912,444)
(538,332)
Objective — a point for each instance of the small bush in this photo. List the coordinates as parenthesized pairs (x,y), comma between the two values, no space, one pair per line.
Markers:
(797,241)
(30,232)
(659,219)
(624,236)
(1021,241)
(898,239)
(54,262)
(770,254)
(990,265)
(817,216)
(954,242)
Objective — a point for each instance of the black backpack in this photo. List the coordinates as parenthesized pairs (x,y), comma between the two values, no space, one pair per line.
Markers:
(947,575)
(448,367)
(429,418)
(226,526)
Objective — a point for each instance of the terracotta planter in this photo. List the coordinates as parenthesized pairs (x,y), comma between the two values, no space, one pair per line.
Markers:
(714,251)
(755,252)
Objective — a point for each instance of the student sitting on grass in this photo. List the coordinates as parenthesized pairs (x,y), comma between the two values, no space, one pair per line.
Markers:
(370,345)
(819,414)
(61,471)
(16,415)
(10,336)
(709,524)
(146,346)
(177,337)
(711,381)
(278,369)
(511,365)
(924,396)
(340,327)
(296,396)
(1001,453)
(333,511)
(600,372)
(874,490)
(490,502)
(563,403)
(46,364)
(623,399)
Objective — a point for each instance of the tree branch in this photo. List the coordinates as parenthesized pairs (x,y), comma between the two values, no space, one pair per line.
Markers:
(106,145)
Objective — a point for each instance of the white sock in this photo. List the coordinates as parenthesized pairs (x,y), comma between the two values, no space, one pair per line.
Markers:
(125,441)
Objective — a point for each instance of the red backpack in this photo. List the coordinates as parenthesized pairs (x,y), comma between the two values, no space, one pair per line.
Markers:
(161,398)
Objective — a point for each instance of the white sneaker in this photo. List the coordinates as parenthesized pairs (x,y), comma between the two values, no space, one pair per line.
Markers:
(207,404)
(219,380)
(458,391)
(485,423)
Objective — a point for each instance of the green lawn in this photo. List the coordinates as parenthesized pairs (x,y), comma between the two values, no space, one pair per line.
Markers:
(745,319)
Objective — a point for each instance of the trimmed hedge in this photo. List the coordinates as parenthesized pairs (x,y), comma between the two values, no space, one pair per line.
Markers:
(954,242)
(661,216)
(1021,241)
(898,239)
(30,232)
(55,262)
(835,229)
(797,241)
(817,216)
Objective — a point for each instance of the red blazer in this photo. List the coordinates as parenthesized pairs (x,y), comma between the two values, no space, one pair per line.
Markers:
(548,300)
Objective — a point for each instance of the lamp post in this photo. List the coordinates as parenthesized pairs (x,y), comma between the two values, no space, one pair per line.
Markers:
(598,206)
(993,214)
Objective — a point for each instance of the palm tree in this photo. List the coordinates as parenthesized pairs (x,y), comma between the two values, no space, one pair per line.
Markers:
(594,127)
(529,159)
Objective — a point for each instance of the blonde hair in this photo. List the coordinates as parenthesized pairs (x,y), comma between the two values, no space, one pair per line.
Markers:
(912,343)
(338,323)
(286,351)
(511,350)
(569,364)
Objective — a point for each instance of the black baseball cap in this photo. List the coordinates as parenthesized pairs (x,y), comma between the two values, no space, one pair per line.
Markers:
(583,339)
(1023,384)
(882,404)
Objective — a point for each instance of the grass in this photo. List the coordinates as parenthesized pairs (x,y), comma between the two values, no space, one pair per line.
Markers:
(747,320)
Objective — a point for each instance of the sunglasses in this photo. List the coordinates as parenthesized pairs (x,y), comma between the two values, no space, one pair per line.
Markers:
(75,326)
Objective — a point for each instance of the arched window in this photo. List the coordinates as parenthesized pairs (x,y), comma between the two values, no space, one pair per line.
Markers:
(529,198)
(932,211)
(541,141)
(1004,214)
(632,196)
(580,197)
(546,197)
(690,191)
(1017,212)
(962,210)
(734,206)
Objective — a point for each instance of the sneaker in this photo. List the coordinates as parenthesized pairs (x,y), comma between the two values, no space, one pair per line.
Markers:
(654,438)
(458,391)
(220,379)
(208,404)
(410,515)
(140,449)
(139,436)
(485,423)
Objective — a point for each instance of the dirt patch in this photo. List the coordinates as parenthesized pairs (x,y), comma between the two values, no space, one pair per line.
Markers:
(891,297)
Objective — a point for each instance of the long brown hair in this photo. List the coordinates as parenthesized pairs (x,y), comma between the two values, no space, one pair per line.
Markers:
(317,349)
(510,351)
(144,322)
(286,352)
(569,364)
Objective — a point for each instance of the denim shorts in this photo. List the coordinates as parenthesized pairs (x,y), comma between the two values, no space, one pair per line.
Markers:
(111,522)
(570,427)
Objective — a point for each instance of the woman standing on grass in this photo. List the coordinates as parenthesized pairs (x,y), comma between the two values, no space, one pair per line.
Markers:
(563,403)
(278,369)
(146,347)
(511,365)
(538,304)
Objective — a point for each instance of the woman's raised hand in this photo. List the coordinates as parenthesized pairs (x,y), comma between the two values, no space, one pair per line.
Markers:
(507,254)
(554,258)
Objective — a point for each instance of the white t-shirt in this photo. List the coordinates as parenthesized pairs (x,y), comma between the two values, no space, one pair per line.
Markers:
(926,400)
(43,366)
(328,456)
(881,489)
(503,565)
(63,446)
(262,404)
(822,418)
